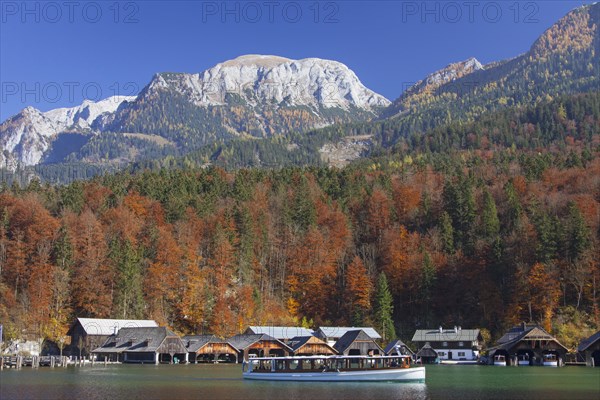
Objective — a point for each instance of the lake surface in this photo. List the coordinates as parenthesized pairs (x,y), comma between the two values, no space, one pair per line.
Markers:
(149,382)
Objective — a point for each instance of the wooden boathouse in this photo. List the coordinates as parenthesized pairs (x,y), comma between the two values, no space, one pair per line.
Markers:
(310,346)
(427,355)
(589,349)
(209,348)
(262,345)
(529,342)
(357,342)
(143,345)
(392,348)
(91,333)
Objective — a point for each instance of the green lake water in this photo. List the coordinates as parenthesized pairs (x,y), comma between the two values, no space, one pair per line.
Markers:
(148,382)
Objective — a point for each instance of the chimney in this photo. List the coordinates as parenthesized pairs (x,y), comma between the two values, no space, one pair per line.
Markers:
(441,330)
(455,329)
(523,325)
(459,328)
(115,330)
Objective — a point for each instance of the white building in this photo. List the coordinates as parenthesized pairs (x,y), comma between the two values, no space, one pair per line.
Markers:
(451,344)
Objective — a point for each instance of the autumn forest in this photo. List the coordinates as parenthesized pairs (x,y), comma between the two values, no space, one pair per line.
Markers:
(480,234)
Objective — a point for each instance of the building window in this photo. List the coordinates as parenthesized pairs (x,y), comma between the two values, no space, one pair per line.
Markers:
(461,344)
(441,353)
(445,344)
(461,353)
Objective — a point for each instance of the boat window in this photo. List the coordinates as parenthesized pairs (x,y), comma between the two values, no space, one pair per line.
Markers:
(294,364)
(445,344)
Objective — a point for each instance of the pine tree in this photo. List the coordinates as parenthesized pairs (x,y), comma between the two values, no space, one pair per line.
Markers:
(577,234)
(384,309)
(447,232)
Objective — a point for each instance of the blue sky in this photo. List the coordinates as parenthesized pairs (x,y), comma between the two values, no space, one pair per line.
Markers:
(55,54)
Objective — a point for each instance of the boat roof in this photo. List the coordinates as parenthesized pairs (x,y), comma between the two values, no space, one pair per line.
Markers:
(339,331)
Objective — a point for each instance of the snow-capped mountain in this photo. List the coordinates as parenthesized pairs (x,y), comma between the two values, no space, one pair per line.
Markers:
(252,95)
(258,79)
(26,136)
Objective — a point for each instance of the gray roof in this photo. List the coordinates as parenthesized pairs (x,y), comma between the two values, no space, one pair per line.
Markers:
(100,326)
(138,340)
(336,332)
(515,332)
(583,346)
(447,335)
(391,348)
(243,341)
(350,337)
(195,342)
(427,351)
(280,332)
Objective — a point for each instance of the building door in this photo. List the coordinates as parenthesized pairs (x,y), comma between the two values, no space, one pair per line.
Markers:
(449,355)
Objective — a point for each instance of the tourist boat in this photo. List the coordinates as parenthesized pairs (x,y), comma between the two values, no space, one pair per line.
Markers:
(550,360)
(500,360)
(523,360)
(333,369)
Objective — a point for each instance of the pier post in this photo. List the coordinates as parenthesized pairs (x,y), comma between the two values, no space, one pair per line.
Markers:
(1,363)
(19,362)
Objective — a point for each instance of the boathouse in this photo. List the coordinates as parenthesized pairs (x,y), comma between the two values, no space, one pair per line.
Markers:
(357,342)
(451,344)
(529,342)
(427,355)
(91,333)
(258,346)
(395,345)
(310,346)
(151,345)
(209,348)
(331,334)
(283,333)
(590,350)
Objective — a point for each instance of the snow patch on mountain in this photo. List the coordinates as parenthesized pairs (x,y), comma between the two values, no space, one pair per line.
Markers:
(259,79)
(25,137)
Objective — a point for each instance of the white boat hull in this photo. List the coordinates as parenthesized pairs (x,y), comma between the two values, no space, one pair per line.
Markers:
(524,363)
(407,374)
(550,364)
(500,363)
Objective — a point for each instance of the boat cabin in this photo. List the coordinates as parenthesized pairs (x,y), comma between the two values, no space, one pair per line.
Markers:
(326,363)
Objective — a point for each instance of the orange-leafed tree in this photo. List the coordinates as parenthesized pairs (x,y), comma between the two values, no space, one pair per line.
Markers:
(544,293)
(359,289)
(92,279)
(378,215)
(221,265)
(162,276)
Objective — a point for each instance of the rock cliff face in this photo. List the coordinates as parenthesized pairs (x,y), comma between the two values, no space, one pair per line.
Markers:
(252,95)
(259,80)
